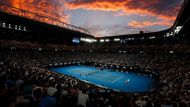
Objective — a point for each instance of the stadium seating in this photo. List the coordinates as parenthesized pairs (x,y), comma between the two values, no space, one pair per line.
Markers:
(22,72)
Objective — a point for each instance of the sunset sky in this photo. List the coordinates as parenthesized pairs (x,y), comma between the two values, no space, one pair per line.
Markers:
(107,17)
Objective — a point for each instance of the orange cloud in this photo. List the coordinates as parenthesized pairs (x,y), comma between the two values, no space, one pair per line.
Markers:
(47,8)
(138,24)
(102,5)
(157,8)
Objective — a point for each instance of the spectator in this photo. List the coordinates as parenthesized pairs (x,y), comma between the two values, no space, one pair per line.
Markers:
(83,98)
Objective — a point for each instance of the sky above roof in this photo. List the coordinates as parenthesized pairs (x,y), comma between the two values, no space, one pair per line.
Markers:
(107,17)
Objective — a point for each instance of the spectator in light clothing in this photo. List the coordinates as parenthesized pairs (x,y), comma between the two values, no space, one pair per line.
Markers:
(82,98)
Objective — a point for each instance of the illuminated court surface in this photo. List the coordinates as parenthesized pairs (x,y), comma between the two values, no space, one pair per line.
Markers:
(125,82)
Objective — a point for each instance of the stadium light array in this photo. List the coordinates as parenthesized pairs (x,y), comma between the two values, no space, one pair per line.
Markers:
(88,40)
(131,38)
(171,52)
(167,34)
(94,40)
(4,24)
(101,40)
(107,40)
(16,27)
(39,49)
(19,27)
(171,33)
(178,29)
(10,26)
(24,29)
(117,39)
(152,37)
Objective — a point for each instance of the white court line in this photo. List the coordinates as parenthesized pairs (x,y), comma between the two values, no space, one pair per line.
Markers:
(117,79)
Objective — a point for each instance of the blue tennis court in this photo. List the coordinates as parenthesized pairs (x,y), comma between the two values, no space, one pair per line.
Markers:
(125,82)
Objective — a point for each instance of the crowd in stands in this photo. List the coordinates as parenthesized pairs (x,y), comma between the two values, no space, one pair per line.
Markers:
(178,47)
(25,82)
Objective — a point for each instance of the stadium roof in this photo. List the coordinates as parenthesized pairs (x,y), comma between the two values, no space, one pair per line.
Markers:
(14,27)
(40,30)
(104,17)
(183,19)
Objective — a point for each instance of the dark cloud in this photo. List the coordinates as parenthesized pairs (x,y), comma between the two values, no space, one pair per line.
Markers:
(167,9)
